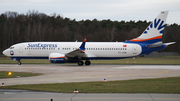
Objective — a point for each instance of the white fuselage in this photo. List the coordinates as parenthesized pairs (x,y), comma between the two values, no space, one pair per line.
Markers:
(94,50)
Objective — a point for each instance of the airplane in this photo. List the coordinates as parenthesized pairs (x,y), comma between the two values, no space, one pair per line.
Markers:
(75,52)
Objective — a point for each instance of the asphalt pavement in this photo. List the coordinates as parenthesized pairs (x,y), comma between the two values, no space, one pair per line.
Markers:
(72,73)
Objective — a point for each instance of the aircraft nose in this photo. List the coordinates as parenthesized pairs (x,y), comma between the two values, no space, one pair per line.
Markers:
(5,52)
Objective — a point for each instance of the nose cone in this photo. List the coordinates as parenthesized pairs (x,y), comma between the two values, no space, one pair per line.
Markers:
(5,52)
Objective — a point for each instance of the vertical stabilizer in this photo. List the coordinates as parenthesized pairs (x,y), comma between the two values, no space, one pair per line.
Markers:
(154,31)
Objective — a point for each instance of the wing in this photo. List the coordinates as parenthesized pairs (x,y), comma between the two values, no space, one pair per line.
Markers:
(78,53)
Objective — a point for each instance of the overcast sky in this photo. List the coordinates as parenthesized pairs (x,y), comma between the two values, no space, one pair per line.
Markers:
(100,9)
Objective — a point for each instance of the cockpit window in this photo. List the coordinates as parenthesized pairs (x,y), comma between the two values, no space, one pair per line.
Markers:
(11,47)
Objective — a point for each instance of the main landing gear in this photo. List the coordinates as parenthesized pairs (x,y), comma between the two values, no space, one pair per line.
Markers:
(87,63)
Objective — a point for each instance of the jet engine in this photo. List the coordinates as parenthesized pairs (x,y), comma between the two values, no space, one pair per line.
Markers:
(57,58)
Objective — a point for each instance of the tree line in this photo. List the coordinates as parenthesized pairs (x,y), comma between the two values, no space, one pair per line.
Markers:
(35,26)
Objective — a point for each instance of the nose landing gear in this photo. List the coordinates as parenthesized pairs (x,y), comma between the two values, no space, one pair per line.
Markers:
(19,63)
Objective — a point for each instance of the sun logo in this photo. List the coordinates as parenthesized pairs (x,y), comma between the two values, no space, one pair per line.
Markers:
(157,25)
(11,53)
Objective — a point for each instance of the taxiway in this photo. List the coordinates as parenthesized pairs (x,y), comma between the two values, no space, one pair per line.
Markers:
(56,73)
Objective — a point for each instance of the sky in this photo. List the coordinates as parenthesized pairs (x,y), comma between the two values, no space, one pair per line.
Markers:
(115,10)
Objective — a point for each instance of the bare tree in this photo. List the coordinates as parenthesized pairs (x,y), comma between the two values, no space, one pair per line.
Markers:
(27,34)
(66,33)
(39,31)
(176,36)
(111,34)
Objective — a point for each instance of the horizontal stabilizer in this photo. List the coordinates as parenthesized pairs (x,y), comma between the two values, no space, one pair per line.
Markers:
(167,44)
(157,44)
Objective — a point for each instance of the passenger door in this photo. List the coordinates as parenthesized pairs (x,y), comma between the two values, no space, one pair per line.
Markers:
(20,49)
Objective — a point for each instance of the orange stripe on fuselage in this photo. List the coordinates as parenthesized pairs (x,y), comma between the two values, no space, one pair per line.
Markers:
(56,57)
(139,39)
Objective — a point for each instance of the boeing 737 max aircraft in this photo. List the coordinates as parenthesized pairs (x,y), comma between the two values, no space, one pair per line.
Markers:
(74,52)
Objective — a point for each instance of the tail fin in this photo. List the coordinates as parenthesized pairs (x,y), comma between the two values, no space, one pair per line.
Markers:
(154,31)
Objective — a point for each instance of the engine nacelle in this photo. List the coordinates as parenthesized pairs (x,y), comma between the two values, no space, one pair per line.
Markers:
(57,58)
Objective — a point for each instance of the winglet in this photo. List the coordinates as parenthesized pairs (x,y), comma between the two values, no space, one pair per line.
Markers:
(82,47)
(84,40)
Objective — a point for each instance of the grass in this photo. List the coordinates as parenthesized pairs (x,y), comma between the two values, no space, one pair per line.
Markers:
(171,60)
(161,85)
(7,60)
(3,74)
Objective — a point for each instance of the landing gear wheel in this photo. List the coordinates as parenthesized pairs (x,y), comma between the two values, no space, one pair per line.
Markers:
(87,63)
(19,63)
(80,63)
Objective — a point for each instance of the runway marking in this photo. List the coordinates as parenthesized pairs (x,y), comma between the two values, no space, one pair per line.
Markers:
(161,72)
(109,76)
